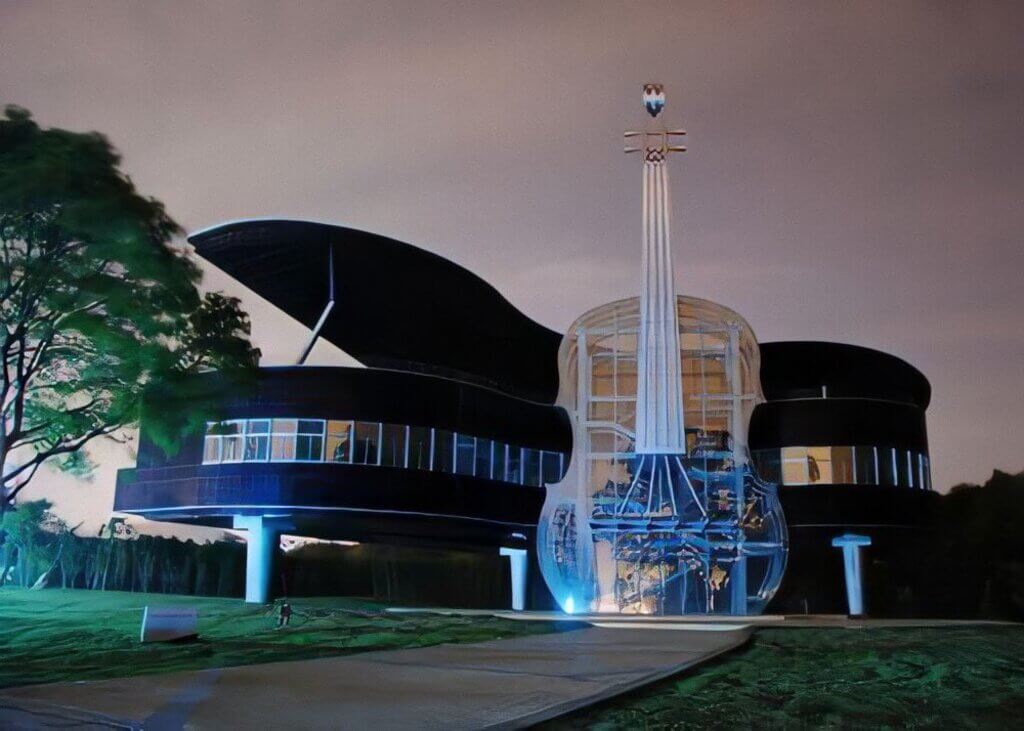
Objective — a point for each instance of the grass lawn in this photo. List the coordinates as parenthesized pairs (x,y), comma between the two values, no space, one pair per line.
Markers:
(952,677)
(53,635)
(955,677)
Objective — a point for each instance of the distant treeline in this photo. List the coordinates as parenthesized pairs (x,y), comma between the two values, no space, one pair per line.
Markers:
(975,567)
(39,549)
(968,562)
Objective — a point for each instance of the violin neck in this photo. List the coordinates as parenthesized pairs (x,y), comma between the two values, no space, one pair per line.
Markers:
(660,427)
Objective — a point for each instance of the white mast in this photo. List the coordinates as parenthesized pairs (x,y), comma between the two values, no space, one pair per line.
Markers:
(659,397)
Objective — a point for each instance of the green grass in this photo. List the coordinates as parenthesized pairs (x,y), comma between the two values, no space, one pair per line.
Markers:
(948,677)
(55,635)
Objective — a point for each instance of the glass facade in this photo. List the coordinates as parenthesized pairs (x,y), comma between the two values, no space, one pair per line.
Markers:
(651,533)
(856,465)
(375,443)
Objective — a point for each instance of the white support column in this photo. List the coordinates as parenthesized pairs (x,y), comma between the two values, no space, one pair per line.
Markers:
(517,557)
(261,540)
(851,544)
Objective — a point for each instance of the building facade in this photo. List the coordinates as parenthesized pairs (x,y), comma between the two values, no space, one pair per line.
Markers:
(444,437)
(843,433)
(446,432)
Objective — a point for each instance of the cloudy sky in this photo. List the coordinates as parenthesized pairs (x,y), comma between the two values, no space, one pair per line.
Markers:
(856,170)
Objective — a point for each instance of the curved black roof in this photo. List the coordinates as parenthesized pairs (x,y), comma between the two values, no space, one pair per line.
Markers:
(800,368)
(396,306)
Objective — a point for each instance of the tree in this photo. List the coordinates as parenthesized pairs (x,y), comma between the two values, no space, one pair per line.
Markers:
(98,303)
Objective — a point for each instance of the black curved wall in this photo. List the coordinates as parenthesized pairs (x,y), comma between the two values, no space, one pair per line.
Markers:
(351,500)
(834,394)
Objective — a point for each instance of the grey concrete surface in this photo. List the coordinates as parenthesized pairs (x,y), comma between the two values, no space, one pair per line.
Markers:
(698,622)
(500,684)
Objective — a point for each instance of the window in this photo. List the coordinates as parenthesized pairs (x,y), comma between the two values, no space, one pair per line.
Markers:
(211,449)
(465,454)
(230,437)
(768,463)
(419,448)
(513,467)
(864,465)
(367,441)
(393,446)
(290,439)
(282,442)
(551,468)
(819,465)
(498,466)
(257,440)
(531,467)
(483,457)
(794,466)
(602,375)
(443,450)
(309,444)
(887,472)
(842,466)
(339,441)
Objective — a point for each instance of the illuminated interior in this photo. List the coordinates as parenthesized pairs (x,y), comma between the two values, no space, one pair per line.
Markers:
(855,465)
(700,534)
(375,443)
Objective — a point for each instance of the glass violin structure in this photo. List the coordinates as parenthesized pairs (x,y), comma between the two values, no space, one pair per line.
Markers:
(660,511)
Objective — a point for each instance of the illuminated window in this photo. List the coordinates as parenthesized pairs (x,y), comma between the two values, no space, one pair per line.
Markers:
(282,441)
(794,466)
(842,466)
(339,441)
(257,440)
(211,449)
(287,439)
(819,465)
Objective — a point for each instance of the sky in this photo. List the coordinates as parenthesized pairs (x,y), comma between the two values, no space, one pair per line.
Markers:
(855,170)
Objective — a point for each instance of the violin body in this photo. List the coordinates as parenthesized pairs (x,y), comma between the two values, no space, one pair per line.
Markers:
(635,529)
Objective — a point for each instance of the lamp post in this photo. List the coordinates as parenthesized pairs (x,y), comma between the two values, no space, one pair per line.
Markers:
(851,544)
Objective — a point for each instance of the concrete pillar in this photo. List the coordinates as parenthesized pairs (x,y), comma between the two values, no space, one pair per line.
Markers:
(517,557)
(851,544)
(261,540)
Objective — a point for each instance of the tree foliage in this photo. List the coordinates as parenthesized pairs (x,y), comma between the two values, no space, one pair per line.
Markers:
(97,301)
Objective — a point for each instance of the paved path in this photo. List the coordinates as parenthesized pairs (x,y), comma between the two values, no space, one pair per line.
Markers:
(785,621)
(500,684)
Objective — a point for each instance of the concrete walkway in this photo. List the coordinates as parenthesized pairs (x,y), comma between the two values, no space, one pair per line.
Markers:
(501,684)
